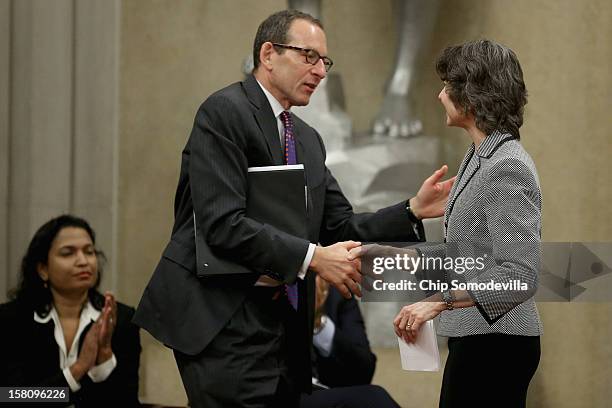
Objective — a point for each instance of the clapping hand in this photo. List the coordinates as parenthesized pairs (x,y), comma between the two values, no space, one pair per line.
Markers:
(87,354)
(107,322)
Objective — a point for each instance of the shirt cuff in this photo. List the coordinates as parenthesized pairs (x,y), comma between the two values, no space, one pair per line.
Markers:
(72,383)
(307,259)
(324,339)
(417,232)
(101,372)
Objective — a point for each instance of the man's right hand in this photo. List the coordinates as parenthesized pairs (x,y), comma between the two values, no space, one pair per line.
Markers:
(331,263)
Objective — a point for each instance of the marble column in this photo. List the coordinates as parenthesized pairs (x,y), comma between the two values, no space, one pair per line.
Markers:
(40,120)
(5,40)
(95,144)
(61,130)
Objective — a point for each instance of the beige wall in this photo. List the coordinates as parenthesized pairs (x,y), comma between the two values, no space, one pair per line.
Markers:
(174,54)
(58,123)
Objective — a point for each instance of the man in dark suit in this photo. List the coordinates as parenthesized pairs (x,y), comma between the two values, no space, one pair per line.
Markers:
(343,362)
(238,339)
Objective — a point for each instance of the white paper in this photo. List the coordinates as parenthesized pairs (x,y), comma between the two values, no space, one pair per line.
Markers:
(422,355)
(315,381)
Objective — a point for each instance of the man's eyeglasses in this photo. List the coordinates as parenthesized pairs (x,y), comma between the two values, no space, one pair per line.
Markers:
(312,57)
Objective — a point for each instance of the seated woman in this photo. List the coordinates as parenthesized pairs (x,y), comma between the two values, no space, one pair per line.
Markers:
(60,331)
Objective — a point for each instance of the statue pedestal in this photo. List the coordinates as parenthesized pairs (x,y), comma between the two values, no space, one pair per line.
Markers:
(373,174)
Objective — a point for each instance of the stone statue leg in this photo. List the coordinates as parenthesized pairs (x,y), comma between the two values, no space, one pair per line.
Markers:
(415,20)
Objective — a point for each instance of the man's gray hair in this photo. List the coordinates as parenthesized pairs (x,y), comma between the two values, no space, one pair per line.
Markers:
(276,28)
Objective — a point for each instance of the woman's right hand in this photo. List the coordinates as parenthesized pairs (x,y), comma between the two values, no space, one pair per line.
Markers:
(88,353)
(430,201)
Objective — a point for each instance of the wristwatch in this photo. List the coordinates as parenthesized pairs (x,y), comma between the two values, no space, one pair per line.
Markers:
(411,215)
(447,297)
(317,330)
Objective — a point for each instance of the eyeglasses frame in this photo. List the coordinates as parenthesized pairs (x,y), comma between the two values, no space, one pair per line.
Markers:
(305,52)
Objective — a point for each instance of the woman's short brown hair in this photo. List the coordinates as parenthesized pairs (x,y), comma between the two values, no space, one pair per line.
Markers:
(485,78)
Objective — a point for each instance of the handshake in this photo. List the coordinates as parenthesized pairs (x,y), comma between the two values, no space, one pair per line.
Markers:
(340,264)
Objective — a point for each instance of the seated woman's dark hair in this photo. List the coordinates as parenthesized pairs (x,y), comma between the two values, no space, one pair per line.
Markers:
(484,78)
(32,291)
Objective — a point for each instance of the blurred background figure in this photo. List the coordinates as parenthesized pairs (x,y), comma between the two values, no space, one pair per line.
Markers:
(415,23)
(60,331)
(343,363)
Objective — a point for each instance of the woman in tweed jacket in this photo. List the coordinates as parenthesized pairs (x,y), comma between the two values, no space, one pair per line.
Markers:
(493,212)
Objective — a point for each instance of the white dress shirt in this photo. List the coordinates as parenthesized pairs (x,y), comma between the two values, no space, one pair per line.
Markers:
(98,373)
(324,339)
(277,109)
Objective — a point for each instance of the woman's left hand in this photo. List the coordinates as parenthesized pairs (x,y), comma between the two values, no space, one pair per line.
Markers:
(108,320)
(410,318)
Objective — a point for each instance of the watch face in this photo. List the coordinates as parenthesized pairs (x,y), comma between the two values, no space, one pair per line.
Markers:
(411,215)
(448,299)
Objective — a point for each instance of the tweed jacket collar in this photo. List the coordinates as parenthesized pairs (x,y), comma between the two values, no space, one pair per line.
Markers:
(491,143)
(469,167)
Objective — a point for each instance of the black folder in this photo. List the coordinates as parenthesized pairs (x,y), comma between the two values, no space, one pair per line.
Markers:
(277,196)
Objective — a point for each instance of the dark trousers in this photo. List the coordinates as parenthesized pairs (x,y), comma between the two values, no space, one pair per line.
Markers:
(357,396)
(489,370)
(246,364)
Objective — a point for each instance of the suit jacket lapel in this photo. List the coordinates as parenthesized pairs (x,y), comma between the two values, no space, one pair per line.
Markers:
(466,172)
(264,117)
(300,151)
(44,340)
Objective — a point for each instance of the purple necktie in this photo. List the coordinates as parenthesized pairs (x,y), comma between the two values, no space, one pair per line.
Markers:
(290,158)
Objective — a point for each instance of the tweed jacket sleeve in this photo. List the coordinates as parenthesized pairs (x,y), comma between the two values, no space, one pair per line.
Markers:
(494,212)
(512,207)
